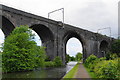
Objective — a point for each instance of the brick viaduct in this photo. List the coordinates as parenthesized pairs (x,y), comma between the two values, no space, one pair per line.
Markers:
(53,34)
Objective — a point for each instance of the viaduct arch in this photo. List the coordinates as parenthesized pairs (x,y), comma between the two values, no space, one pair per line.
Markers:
(71,34)
(103,47)
(46,36)
(53,35)
(7,26)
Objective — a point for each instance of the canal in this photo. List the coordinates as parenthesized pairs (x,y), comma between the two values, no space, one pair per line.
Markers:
(58,72)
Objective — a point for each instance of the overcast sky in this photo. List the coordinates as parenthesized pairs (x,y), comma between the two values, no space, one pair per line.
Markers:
(87,14)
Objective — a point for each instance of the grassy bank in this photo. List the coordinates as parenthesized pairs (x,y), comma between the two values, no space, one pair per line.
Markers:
(72,72)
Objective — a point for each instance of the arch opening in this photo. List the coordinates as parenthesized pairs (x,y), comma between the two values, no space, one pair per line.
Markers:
(37,39)
(44,32)
(103,48)
(73,48)
(7,26)
(2,37)
(47,38)
(80,41)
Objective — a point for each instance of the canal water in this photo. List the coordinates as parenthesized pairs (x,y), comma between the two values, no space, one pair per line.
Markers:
(42,73)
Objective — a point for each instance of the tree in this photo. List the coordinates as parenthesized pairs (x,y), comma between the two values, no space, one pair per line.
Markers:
(72,58)
(20,51)
(67,58)
(78,56)
(57,61)
(40,56)
(116,47)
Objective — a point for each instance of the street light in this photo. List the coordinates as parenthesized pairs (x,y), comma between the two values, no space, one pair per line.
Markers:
(56,11)
(105,28)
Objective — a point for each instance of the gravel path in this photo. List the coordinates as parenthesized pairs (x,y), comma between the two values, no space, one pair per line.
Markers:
(81,73)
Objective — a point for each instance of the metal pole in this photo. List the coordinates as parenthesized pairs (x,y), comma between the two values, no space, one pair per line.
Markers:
(55,11)
(105,28)
(63,17)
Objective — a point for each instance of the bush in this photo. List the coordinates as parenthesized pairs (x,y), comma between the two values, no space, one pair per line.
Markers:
(57,61)
(102,58)
(79,56)
(49,64)
(91,62)
(47,58)
(116,47)
(111,56)
(67,58)
(107,69)
(103,68)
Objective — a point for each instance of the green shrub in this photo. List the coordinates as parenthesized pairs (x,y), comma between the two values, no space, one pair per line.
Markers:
(115,48)
(57,61)
(111,56)
(49,64)
(102,58)
(67,58)
(47,58)
(107,69)
(91,62)
(79,56)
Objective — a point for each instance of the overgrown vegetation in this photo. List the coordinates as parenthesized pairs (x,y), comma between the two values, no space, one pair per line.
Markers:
(57,62)
(116,47)
(21,53)
(67,58)
(70,58)
(106,67)
(79,56)
(103,68)
(91,62)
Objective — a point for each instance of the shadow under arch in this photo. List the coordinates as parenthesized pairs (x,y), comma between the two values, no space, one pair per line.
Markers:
(7,26)
(47,38)
(71,34)
(103,48)
(44,32)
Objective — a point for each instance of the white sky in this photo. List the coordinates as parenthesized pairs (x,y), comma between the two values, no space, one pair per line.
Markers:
(87,14)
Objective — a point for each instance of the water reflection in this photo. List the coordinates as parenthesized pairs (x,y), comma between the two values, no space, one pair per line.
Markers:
(42,73)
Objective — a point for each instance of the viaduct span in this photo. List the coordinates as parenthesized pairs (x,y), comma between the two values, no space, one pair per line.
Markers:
(53,34)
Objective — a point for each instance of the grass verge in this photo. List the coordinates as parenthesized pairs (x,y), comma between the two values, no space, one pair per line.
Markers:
(72,72)
(92,74)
